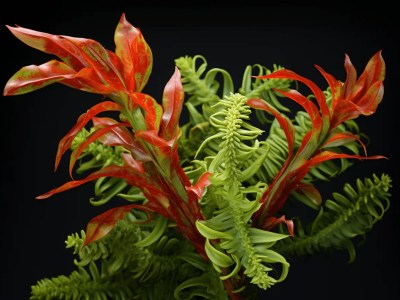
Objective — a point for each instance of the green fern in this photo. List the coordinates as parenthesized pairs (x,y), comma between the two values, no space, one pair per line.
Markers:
(231,242)
(124,265)
(342,219)
(204,90)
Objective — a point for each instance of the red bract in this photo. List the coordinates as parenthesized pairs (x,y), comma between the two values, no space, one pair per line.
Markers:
(349,100)
(148,131)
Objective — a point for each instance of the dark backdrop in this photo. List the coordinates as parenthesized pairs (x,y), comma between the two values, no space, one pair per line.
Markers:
(231,37)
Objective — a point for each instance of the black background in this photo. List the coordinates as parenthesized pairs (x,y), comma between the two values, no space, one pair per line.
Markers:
(230,37)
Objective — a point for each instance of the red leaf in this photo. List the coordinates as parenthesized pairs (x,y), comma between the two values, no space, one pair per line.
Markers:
(342,138)
(153,110)
(285,123)
(373,72)
(172,103)
(109,171)
(121,136)
(86,80)
(33,77)
(101,225)
(368,103)
(52,44)
(360,96)
(79,53)
(134,53)
(329,155)
(152,138)
(132,163)
(351,77)
(309,191)
(66,141)
(308,105)
(335,86)
(271,222)
(90,139)
(319,95)
(198,188)
(118,136)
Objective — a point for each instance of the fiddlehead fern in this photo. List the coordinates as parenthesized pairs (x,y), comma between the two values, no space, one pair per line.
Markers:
(230,239)
(342,219)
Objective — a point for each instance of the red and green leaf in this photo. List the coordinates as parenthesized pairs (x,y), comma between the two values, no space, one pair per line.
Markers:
(351,77)
(121,136)
(342,138)
(151,137)
(374,71)
(308,105)
(90,139)
(319,95)
(153,110)
(172,103)
(310,192)
(134,53)
(198,188)
(329,155)
(31,78)
(135,165)
(101,225)
(118,136)
(52,44)
(78,53)
(66,141)
(270,222)
(109,171)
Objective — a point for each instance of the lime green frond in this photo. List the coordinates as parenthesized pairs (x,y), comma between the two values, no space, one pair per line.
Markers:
(231,243)
(205,88)
(202,86)
(342,219)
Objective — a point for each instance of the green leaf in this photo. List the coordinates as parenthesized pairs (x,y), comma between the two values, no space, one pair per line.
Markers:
(218,258)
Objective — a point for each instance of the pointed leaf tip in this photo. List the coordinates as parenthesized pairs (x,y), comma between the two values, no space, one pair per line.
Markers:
(101,225)
(134,53)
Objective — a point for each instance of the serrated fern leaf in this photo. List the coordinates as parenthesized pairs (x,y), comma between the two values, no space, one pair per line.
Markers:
(345,217)
(121,266)
(231,242)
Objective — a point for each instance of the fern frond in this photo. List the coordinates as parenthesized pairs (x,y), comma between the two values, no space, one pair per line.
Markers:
(231,242)
(83,284)
(349,215)
(202,86)
(205,89)
(122,266)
